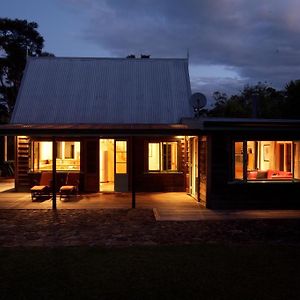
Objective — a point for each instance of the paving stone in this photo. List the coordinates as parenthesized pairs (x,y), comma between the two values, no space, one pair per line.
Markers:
(120,228)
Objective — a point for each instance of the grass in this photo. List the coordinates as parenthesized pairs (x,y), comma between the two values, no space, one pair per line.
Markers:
(170,272)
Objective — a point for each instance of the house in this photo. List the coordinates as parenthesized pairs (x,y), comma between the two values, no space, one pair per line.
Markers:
(127,125)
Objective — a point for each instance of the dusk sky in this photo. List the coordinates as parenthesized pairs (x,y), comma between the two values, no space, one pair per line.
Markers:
(231,42)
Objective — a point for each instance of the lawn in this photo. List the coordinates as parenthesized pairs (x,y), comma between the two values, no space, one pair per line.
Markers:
(171,272)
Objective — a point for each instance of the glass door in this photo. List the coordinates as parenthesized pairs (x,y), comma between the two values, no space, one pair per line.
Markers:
(107,157)
(121,166)
(193,162)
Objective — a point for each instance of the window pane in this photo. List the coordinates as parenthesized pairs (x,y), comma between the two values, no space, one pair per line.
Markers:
(269,160)
(297,160)
(153,157)
(166,161)
(163,156)
(45,156)
(173,156)
(35,156)
(121,157)
(251,155)
(68,156)
(121,146)
(238,160)
(121,168)
(69,150)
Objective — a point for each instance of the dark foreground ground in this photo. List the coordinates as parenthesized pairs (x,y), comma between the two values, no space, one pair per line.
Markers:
(115,227)
(126,254)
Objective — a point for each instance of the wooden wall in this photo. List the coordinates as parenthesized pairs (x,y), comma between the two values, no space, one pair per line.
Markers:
(203,175)
(22,181)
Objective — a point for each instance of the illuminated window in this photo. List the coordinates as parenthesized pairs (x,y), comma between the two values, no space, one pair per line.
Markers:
(121,157)
(296,150)
(267,160)
(238,159)
(68,156)
(162,157)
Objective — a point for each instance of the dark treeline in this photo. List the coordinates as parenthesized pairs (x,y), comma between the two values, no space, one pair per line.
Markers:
(269,102)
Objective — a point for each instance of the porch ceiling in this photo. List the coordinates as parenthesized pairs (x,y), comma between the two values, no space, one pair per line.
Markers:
(93,129)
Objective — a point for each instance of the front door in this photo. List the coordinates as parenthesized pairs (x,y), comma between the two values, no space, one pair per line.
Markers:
(194,180)
(107,165)
(203,161)
(90,164)
(121,166)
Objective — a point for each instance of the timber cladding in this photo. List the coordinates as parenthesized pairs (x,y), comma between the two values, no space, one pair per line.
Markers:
(22,182)
(203,157)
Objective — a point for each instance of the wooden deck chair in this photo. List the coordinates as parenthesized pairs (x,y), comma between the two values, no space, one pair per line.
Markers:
(44,187)
(71,187)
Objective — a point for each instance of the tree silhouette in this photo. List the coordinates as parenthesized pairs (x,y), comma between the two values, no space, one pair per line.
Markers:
(18,39)
(259,101)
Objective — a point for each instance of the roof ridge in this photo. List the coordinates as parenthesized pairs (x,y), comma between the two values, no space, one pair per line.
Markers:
(106,58)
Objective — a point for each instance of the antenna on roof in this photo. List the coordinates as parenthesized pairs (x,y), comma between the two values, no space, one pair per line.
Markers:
(198,101)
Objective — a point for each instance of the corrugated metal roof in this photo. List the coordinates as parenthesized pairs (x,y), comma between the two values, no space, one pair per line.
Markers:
(103,91)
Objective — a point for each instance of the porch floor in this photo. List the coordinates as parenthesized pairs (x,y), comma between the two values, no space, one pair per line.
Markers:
(174,201)
(166,206)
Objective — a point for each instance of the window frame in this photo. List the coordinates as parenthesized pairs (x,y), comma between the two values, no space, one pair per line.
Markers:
(119,153)
(245,162)
(34,155)
(160,142)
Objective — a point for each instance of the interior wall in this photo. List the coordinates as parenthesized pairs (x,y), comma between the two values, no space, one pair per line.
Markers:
(106,160)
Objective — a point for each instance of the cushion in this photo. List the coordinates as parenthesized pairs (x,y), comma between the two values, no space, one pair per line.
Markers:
(252,175)
(67,188)
(262,174)
(38,188)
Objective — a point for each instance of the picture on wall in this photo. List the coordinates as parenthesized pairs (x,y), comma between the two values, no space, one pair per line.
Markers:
(266,153)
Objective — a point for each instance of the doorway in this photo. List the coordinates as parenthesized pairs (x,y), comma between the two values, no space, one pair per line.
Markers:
(107,162)
(193,163)
(113,168)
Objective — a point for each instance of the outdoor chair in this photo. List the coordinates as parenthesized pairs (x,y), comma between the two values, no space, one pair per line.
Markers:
(71,187)
(44,187)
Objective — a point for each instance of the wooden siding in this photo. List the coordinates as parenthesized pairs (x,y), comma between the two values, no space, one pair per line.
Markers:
(203,169)
(22,182)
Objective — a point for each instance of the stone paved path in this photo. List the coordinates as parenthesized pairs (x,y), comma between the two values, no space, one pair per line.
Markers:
(127,227)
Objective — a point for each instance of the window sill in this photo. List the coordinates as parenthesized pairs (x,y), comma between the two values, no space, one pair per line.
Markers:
(163,172)
(264,181)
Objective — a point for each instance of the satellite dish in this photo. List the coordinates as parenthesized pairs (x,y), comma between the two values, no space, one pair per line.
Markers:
(198,101)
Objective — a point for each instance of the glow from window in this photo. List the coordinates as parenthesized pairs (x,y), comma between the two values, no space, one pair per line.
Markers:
(153,157)
(238,160)
(121,157)
(162,156)
(267,160)
(68,156)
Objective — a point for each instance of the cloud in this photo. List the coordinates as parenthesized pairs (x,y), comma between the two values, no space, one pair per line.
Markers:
(258,39)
